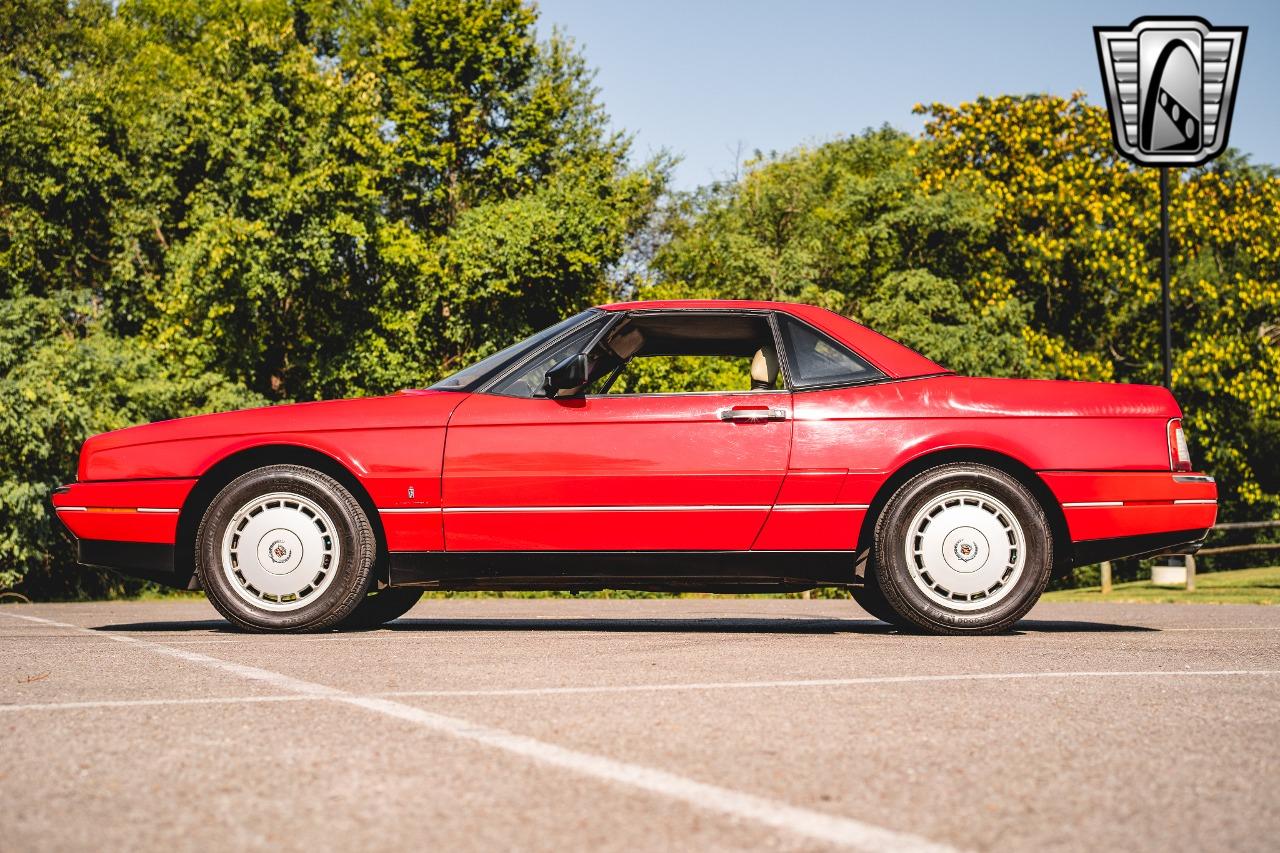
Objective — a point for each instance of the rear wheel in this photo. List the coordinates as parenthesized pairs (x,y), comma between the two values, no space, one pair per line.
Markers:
(285,548)
(962,549)
(382,606)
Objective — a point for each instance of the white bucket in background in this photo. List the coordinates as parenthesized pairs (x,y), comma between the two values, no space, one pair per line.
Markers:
(1168,575)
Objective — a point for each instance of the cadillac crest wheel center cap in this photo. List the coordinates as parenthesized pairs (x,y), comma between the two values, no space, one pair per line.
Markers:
(279,551)
(965,549)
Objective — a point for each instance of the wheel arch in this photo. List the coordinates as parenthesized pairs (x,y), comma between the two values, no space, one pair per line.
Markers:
(1020,471)
(217,476)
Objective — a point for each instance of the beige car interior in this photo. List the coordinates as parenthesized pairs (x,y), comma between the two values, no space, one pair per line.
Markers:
(764,369)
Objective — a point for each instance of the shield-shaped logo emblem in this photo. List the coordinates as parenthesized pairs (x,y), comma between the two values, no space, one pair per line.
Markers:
(1170,85)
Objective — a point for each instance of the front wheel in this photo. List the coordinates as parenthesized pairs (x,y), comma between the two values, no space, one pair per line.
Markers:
(963,549)
(285,548)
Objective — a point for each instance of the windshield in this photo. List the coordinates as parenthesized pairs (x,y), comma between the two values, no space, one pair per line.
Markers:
(470,378)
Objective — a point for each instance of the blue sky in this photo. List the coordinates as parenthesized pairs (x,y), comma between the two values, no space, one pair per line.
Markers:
(703,79)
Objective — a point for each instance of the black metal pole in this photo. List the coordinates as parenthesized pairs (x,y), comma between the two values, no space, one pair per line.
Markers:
(1167,349)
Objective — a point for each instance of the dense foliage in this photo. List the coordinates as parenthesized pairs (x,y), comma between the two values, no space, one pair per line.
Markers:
(207,205)
(62,378)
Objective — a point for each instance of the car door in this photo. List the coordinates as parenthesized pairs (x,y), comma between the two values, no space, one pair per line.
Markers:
(614,472)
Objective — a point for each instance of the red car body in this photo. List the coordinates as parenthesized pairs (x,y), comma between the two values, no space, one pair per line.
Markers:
(659,491)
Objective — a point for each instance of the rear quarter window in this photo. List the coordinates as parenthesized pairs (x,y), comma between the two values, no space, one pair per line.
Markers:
(817,360)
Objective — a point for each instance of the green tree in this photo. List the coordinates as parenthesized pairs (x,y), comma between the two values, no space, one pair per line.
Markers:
(479,109)
(933,315)
(209,203)
(292,193)
(263,198)
(63,378)
(58,169)
(849,226)
(507,268)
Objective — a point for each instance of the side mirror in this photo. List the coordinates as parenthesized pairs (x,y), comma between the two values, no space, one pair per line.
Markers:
(568,375)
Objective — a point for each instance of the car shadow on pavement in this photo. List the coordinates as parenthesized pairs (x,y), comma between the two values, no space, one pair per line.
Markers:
(1073,626)
(729,625)
(711,625)
(216,626)
(640,625)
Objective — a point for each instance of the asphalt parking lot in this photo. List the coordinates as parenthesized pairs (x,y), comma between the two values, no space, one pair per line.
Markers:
(652,724)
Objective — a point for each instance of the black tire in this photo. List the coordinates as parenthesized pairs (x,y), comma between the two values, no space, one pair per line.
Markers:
(1015,594)
(382,606)
(347,538)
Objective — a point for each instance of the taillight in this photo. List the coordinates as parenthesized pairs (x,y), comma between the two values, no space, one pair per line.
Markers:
(1179,454)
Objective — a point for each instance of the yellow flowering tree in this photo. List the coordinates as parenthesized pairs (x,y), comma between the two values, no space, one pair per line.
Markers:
(1077,239)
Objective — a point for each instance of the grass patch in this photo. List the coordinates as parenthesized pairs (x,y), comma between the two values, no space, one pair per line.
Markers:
(1246,586)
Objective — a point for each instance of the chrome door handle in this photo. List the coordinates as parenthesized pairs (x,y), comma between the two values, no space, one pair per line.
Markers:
(753,415)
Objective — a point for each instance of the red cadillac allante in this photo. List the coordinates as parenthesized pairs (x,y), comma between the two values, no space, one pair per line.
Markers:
(846,459)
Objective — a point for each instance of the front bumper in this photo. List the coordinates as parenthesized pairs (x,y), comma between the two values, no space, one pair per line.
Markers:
(147,560)
(123,511)
(127,525)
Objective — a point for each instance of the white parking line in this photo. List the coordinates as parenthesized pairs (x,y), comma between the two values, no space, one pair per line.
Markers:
(1224,628)
(646,688)
(820,826)
(148,703)
(837,682)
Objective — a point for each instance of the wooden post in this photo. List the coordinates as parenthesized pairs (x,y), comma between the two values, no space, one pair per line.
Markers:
(1106,578)
(1191,572)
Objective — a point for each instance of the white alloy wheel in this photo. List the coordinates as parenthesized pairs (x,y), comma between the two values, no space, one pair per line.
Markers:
(280,551)
(965,550)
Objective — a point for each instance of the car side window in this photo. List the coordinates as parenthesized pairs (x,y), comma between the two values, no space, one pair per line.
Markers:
(688,352)
(816,360)
(529,379)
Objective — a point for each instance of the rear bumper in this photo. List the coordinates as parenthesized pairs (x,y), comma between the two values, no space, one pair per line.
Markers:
(1100,550)
(1129,514)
